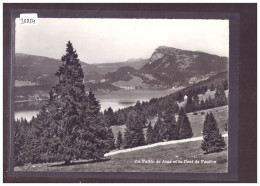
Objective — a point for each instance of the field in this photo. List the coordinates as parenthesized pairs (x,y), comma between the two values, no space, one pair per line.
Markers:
(145,161)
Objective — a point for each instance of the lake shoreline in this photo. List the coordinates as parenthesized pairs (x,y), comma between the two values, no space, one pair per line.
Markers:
(116,100)
(101,93)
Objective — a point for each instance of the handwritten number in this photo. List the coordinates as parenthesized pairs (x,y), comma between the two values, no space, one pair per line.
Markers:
(24,21)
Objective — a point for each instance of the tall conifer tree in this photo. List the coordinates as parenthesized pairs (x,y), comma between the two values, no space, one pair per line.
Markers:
(170,127)
(110,139)
(110,118)
(190,105)
(220,96)
(158,130)
(202,105)
(180,97)
(210,124)
(71,124)
(185,130)
(119,140)
(134,135)
(212,139)
(150,136)
(20,134)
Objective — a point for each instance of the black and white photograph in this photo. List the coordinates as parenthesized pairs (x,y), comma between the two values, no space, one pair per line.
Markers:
(129,93)
(121,95)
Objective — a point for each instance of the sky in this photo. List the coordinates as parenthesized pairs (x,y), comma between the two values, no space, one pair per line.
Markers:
(117,40)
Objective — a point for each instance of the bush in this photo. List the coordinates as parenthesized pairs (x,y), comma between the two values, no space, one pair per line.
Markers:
(195,113)
(202,113)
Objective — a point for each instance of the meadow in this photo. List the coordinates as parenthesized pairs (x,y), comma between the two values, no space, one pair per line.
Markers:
(180,157)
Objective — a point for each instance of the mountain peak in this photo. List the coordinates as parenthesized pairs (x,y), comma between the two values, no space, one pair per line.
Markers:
(161,47)
(171,65)
(166,47)
(134,59)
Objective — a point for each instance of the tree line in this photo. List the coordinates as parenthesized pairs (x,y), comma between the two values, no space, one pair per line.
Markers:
(150,109)
(195,104)
(156,105)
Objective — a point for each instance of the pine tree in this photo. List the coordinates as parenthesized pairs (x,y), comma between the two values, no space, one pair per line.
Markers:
(180,97)
(139,112)
(20,129)
(110,139)
(119,140)
(94,136)
(110,118)
(202,105)
(209,103)
(128,132)
(120,118)
(180,117)
(190,105)
(185,128)
(134,135)
(41,139)
(205,126)
(150,136)
(196,101)
(212,139)
(70,126)
(220,96)
(210,124)
(175,108)
(170,129)
(157,130)
(213,142)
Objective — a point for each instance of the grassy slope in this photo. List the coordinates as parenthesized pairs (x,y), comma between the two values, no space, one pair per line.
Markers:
(197,121)
(220,114)
(126,162)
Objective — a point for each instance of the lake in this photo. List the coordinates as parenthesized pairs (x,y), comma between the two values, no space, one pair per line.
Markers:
(115,100)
